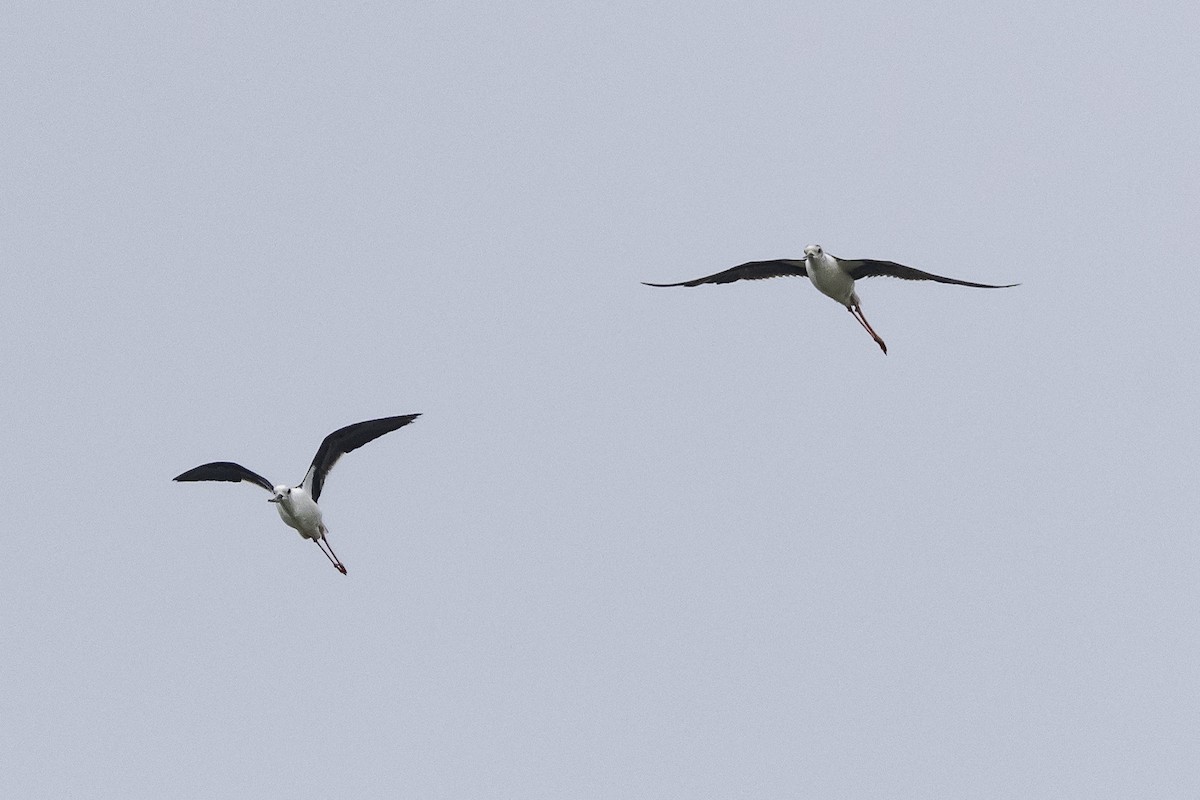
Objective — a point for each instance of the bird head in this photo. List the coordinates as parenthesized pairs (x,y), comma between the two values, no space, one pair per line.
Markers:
(813,251)
(280,493)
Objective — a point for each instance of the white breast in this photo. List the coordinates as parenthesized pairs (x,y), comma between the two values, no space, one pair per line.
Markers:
(300,512)
(830,279)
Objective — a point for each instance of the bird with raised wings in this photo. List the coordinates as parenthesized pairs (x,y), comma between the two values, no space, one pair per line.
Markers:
(832,276)
(297,505)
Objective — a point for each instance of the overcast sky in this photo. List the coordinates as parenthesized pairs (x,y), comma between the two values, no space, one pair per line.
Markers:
(643,542)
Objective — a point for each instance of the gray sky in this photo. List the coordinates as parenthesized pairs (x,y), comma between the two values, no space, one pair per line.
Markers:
(643,542)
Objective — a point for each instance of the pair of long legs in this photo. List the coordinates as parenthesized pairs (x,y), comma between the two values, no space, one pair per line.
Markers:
(328,551)
(856,311)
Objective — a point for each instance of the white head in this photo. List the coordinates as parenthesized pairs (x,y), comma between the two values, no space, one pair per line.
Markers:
(281,492)
(813,251)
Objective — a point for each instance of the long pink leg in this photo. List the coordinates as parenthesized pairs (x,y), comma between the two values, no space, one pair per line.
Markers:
(333,559)
(856,312)
(326,554)
(337,562)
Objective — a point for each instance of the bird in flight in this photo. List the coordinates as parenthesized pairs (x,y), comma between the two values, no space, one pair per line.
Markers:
(832,276)
(297,505)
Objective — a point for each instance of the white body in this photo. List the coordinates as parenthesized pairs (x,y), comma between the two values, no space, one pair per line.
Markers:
(299,511)
(828,276)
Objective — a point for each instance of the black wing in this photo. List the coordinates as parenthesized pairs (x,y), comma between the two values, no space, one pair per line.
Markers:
(867,268)
(750,271)
(224,471)
(345,440)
